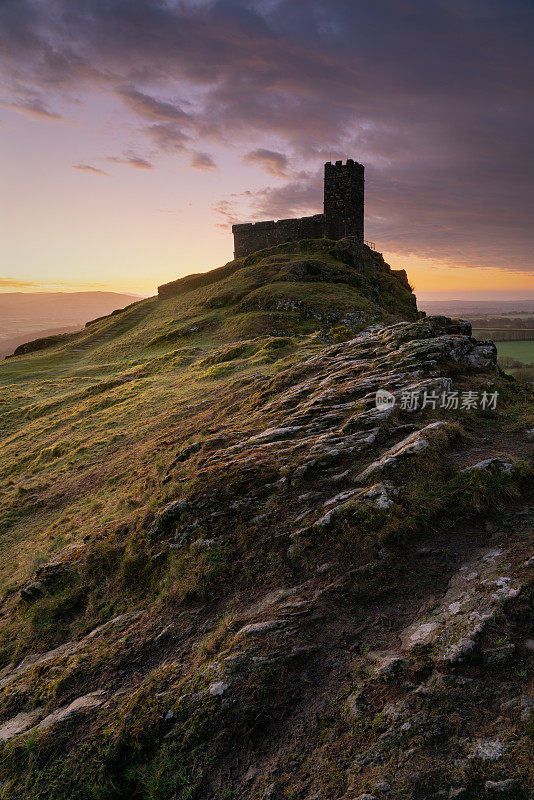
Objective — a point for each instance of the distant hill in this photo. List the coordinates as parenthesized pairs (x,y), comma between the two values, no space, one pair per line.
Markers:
(25,316)
(474,308)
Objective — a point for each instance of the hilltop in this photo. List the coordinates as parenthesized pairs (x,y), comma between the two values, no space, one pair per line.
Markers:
(227,573)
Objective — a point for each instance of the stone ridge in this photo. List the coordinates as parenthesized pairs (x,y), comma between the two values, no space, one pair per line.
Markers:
(331,413)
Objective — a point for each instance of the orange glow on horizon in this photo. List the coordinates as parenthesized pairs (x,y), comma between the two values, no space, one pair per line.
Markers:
(424,274)
(429,275)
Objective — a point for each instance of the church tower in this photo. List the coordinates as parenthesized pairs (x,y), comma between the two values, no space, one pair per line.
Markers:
(343,199)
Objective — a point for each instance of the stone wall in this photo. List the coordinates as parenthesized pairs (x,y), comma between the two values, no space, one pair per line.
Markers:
(343,214)
(252,236)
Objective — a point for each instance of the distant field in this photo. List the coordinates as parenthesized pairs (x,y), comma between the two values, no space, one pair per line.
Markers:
(519,351)
(504,334)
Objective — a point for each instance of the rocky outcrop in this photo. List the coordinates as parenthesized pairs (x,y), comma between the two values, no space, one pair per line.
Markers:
(322,607)
(325,413)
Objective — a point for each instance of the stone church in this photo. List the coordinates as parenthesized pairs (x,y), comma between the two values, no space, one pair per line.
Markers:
(342,216)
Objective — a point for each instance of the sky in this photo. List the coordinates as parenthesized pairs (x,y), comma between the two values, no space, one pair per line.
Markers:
(133,133)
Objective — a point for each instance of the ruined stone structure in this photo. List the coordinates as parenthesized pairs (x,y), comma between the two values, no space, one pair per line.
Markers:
(343,214)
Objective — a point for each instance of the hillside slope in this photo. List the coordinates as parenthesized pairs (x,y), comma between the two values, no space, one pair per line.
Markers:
(227,573)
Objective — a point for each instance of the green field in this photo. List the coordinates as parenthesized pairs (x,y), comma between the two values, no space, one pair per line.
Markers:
(515,349)
(519,351)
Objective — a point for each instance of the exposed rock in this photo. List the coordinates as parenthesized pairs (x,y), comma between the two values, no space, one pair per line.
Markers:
(354,705)
(218,688)
(341,497)
(500,464)
(311,424)
(204,543)
(88,702)
(326,567)
(67,649)
(414,443)
(392,712)
(482,355)
(48,574)
(257,628)
(500,787)
(509,705)
(250,774)
(419,634)
(475,593)
(33,590)
(527,708)
(382,786)
(167,517)
(22,722)
(274,598)
(271,434)
(381,495)
(487,749)
(385,662)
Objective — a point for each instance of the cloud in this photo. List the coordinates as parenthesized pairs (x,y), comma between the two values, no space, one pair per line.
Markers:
(168,137)
(89,168)
(202,161)
(227,210)
(294,199)
(32,108)
(433,97)
(138,162)
(167,119)
(273,163)
(151,108)
(14,283)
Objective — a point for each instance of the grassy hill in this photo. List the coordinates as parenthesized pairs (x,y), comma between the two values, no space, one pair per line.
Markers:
(207,529)
(88,410)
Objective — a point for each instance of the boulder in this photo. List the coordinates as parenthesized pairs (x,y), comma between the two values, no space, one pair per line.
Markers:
(499,464)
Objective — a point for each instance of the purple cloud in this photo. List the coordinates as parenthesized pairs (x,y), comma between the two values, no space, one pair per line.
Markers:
(271,162)
(33,108)
(138,162)
(433,97)
(89,168)
(202,161)
(151,108)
